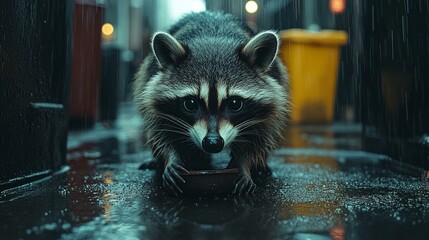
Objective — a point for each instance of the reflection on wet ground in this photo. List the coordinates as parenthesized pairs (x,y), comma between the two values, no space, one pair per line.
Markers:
(323,187)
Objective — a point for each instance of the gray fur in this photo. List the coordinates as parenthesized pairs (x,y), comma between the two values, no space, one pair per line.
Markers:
(215,50)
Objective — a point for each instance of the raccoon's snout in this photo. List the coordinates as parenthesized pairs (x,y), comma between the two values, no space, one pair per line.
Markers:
(213,143)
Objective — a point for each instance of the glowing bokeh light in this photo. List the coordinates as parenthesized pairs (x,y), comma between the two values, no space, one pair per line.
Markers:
(251,7)
(337,6)
(107,29)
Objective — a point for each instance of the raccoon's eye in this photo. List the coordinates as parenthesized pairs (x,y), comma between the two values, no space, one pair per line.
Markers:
(190,104)
(235,104)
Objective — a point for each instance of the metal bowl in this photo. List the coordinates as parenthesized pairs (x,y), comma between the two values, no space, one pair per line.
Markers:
(209,182)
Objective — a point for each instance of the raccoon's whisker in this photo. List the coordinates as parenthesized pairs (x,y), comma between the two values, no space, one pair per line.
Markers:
(250,120)
(160,143)
(182,140)
(172,128)
(176,129)
(248,123)
(172,122)
(172,131)
(160,138)
(175,120)
(159,149)
(250,132)
(241,140)
(157,142)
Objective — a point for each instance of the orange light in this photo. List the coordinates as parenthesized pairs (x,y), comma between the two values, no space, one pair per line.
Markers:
(337,6)
(107,31)
(338,233)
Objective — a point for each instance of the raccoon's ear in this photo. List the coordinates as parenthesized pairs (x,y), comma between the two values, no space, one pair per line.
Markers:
(167,50)
(261,50)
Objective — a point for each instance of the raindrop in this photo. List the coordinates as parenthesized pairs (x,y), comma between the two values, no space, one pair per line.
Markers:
(372,19)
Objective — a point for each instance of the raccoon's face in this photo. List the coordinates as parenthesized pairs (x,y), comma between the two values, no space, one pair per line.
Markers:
(214,92)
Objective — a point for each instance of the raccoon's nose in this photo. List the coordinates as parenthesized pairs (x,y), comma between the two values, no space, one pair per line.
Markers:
(213,144)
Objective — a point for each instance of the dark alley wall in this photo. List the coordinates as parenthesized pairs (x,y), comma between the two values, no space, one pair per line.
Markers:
(35,54)
(395,87)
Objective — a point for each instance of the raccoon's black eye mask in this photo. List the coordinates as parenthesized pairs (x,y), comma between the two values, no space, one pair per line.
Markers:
(236,109)
(233,104)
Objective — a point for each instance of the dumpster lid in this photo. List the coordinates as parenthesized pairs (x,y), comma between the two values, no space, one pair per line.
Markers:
(321,37)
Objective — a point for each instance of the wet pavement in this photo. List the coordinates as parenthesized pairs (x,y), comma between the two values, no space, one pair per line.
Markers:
(323,187)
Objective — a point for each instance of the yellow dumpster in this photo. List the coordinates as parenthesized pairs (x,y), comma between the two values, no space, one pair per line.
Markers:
(312,59)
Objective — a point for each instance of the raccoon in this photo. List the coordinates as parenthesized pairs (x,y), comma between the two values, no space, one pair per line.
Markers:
(212,84)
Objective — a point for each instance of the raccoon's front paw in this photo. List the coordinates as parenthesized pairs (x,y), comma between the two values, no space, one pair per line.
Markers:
(171,175)
(244,185)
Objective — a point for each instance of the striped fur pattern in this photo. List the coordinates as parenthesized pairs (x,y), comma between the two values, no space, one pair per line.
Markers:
(212,84)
